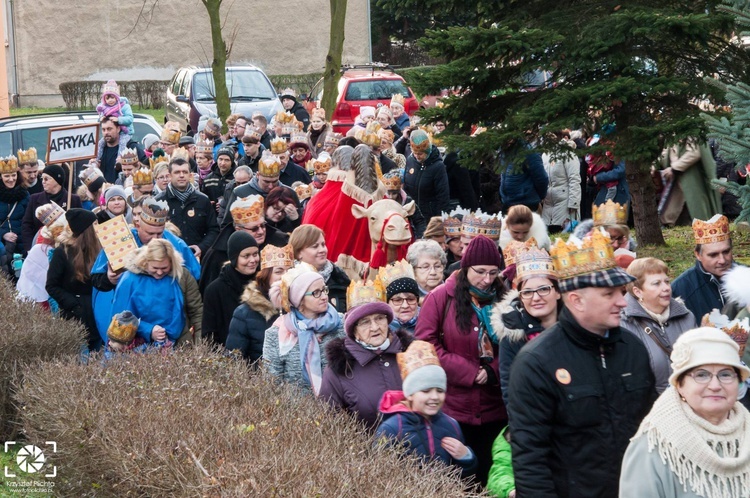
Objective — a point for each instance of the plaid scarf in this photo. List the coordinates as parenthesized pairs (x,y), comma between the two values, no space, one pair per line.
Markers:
(182,196)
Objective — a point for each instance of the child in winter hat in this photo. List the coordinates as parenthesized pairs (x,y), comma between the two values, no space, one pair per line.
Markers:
(118,109)
(121,334)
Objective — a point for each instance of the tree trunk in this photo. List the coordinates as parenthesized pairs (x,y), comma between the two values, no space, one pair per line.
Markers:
(332,72)
(219,63)
(642,194)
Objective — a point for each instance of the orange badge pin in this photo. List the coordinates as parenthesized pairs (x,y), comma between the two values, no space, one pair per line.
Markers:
(563,376)
(191,213)
(411,171)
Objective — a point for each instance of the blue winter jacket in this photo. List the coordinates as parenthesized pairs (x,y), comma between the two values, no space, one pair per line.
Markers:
(524,184)
(616,174)
(13,222)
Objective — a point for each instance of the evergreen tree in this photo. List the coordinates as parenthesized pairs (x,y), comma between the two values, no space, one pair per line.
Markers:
(638,65)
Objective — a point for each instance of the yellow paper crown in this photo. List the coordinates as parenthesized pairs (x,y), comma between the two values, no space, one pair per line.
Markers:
(304,191)
(49,213)
(370,136)
(180,153)
(129,156)
(453,221)
(27,156)
(397,98)
(170,136)
(514,248)
(122,332)
(580,257)
(387,135)
(247,210)
(479,223)
(534,262)
(204,147)
(283,117)
(155,212)
(269,165)
(360,292)
(736,329)
(143,176)
(610,213)
(279,145)
(154,161)
(272,256)
(419,354)
(391,272)
(714,230)
(8,165)
(319,165)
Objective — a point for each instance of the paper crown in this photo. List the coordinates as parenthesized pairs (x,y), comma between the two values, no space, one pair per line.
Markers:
(155,212)
(387,135)
(392,180)
(154,161)
(90,175)
(180,153)
(736,329)
(304,191)
(49,213)
(391,272)
(319,165)
(288,92)
(272,256)
(129,156)
(251,134)
(170,136)
(111,87)
(360,292)
(580,257)
(212,128)
(534,262)
(143,176)
(714,230)
(319,113)
(372,137)
(206,147)
(8,165)
(419,354)
(423,146)
(269,165)
(333,139)
(284,117)
(514,248)
(247,209)
(398,99)
(287,280)
(610,213)
(279,145)
(298,139)
(479,223)
(453,221)
(27,156)
(122,332)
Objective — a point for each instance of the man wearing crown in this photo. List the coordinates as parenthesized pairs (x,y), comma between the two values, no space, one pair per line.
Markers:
(700,286)
(579,391)
(289,101)
(29,164)
(113,149)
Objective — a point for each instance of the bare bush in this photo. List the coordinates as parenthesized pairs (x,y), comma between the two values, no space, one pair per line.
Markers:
(81,95)
(199,424)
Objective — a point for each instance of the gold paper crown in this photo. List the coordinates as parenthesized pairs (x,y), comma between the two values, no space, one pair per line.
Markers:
(155,212)
(736,329)
(279,145)
(129,156)
(479,223)
(423,146)
(397,98)
(143,176)
(122,332)
(8,165)
(272,256)
(110,87)
(319,165)
(154,161)
(419,354)
(304,191)
(180,153)
(514,248)
(27,156)
(452,223)
(391,272)
(288,279)
(610,213)
(593,253)
(204,147)
(714,230)
(534,262)
(370,136)
(285,117)
(360,292)
(333,139)
(269,165)
(318,112)
(387,135)
(170,136)
(247,209)
(90,174)
(49,213)
(392,181)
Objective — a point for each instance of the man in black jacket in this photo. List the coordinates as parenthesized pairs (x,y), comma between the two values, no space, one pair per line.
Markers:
(289,101)
(579,391)
(425,178)
(222,172)
(190,210)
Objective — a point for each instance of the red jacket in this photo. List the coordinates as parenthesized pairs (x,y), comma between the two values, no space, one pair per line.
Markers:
(458,351)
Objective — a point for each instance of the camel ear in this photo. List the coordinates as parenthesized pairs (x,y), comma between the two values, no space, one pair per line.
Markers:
(409,207)
(358,211)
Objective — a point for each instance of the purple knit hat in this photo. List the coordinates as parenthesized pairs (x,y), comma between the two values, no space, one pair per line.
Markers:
(481,251)
(358,312)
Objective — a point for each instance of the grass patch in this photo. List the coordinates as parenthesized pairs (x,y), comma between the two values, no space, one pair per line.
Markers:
(158,114)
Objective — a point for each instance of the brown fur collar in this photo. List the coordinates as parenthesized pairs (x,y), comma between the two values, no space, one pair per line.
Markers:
(258,302)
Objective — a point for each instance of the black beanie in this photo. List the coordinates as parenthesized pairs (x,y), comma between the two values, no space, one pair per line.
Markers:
(56,172)
(79,220)
(238,242)
(403,284)
(96,185)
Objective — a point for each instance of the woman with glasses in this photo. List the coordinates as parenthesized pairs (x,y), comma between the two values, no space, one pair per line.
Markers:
(294,346)
(403,298)
(695,441)
(281,209)
(526,312)
(428,260)
(654,316)
(161,177)
(455,318)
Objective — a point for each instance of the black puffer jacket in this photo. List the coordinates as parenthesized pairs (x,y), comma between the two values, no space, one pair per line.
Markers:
(196,218)
(427,184)
(337,284)
(577,399)
(250,320)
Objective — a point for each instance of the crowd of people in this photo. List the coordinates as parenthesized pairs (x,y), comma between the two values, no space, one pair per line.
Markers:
(573,368)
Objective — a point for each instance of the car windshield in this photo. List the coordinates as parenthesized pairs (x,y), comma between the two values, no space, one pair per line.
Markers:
(242,85)
(375,90)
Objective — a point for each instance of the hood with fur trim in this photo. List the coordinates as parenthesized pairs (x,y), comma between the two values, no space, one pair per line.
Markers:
(509,319)
(254,298)
(538,231)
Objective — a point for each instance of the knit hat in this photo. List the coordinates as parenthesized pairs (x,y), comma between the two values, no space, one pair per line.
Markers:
(186,140)
(363,310)
(123,327)
(481,251)
(56,172)
(434,228)
(226,151)
(111,88)
(79,220)
(238,242)
(705,346)
(404,284)
(420,368)
(114,191)
(366,110)
(149,140)
(300,285)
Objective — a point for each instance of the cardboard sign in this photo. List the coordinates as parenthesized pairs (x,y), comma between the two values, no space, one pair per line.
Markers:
(72,143)
(117,241)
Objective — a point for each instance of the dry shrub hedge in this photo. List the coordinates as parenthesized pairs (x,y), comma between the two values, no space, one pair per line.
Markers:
(200,424)
(28,334)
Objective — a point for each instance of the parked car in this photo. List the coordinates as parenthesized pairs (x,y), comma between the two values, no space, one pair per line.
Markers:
(191,94)
(363,85)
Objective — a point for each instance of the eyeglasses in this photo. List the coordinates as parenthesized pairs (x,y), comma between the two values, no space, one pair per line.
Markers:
(278,209)
(163,177)
(528,294)
(398,301)
(438,267)
(317,293)
(260,227)
(367,321)
(704,376)
(484,273)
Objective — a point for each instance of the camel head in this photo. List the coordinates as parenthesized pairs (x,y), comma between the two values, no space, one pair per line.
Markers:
(387,218)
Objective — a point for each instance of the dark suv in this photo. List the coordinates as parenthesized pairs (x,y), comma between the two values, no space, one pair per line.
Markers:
(190,95)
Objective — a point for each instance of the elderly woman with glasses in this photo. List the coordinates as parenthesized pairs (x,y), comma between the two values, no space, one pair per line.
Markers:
(695,441)
(428,260)
(455,318)
(403,298)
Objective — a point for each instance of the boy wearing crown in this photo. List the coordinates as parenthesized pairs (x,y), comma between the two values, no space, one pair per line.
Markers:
(289,101)
(579,391)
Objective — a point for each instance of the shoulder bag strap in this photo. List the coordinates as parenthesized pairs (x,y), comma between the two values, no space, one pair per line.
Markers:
(667,348)
(7,220)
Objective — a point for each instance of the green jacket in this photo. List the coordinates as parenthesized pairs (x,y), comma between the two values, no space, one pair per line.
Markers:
(694,168)
(500,481)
